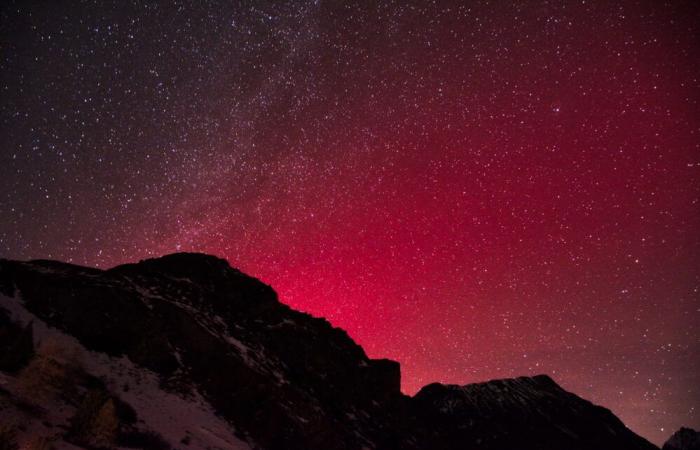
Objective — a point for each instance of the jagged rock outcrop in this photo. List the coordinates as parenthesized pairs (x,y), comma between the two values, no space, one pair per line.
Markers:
(683,439)
(282,379)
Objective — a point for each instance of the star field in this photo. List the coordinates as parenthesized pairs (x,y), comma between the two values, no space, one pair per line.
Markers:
(475,189)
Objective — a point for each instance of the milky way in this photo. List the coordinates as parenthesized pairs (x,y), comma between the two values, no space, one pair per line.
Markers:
(476,191)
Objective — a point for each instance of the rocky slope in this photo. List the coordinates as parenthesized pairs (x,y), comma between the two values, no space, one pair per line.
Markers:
(184,351)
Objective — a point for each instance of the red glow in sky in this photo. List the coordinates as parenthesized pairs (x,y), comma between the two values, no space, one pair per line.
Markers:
(482,192)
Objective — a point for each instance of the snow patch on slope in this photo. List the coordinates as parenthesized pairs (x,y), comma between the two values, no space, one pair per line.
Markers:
(173,417)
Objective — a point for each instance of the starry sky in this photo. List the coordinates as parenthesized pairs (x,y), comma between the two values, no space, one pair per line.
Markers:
(475,189)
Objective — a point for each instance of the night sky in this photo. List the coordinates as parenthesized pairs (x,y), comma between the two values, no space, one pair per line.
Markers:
(483,191)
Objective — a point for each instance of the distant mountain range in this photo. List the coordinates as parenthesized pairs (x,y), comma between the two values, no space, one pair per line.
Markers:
(186,352)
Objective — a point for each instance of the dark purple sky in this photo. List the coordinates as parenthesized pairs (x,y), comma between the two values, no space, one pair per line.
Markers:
(503,189)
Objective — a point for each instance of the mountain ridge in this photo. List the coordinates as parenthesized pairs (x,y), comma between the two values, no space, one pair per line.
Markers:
(281,378)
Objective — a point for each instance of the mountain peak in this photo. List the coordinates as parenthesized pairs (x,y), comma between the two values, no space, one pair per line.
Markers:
(193,267)
(184,262)
(683,439)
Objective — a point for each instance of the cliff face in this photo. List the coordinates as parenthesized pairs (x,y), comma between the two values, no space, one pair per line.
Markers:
(197,335)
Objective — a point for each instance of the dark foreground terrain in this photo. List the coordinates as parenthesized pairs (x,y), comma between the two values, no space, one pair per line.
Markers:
(184,352)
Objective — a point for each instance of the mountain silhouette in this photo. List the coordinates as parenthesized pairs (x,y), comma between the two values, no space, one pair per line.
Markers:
(683,439)
(184,351)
